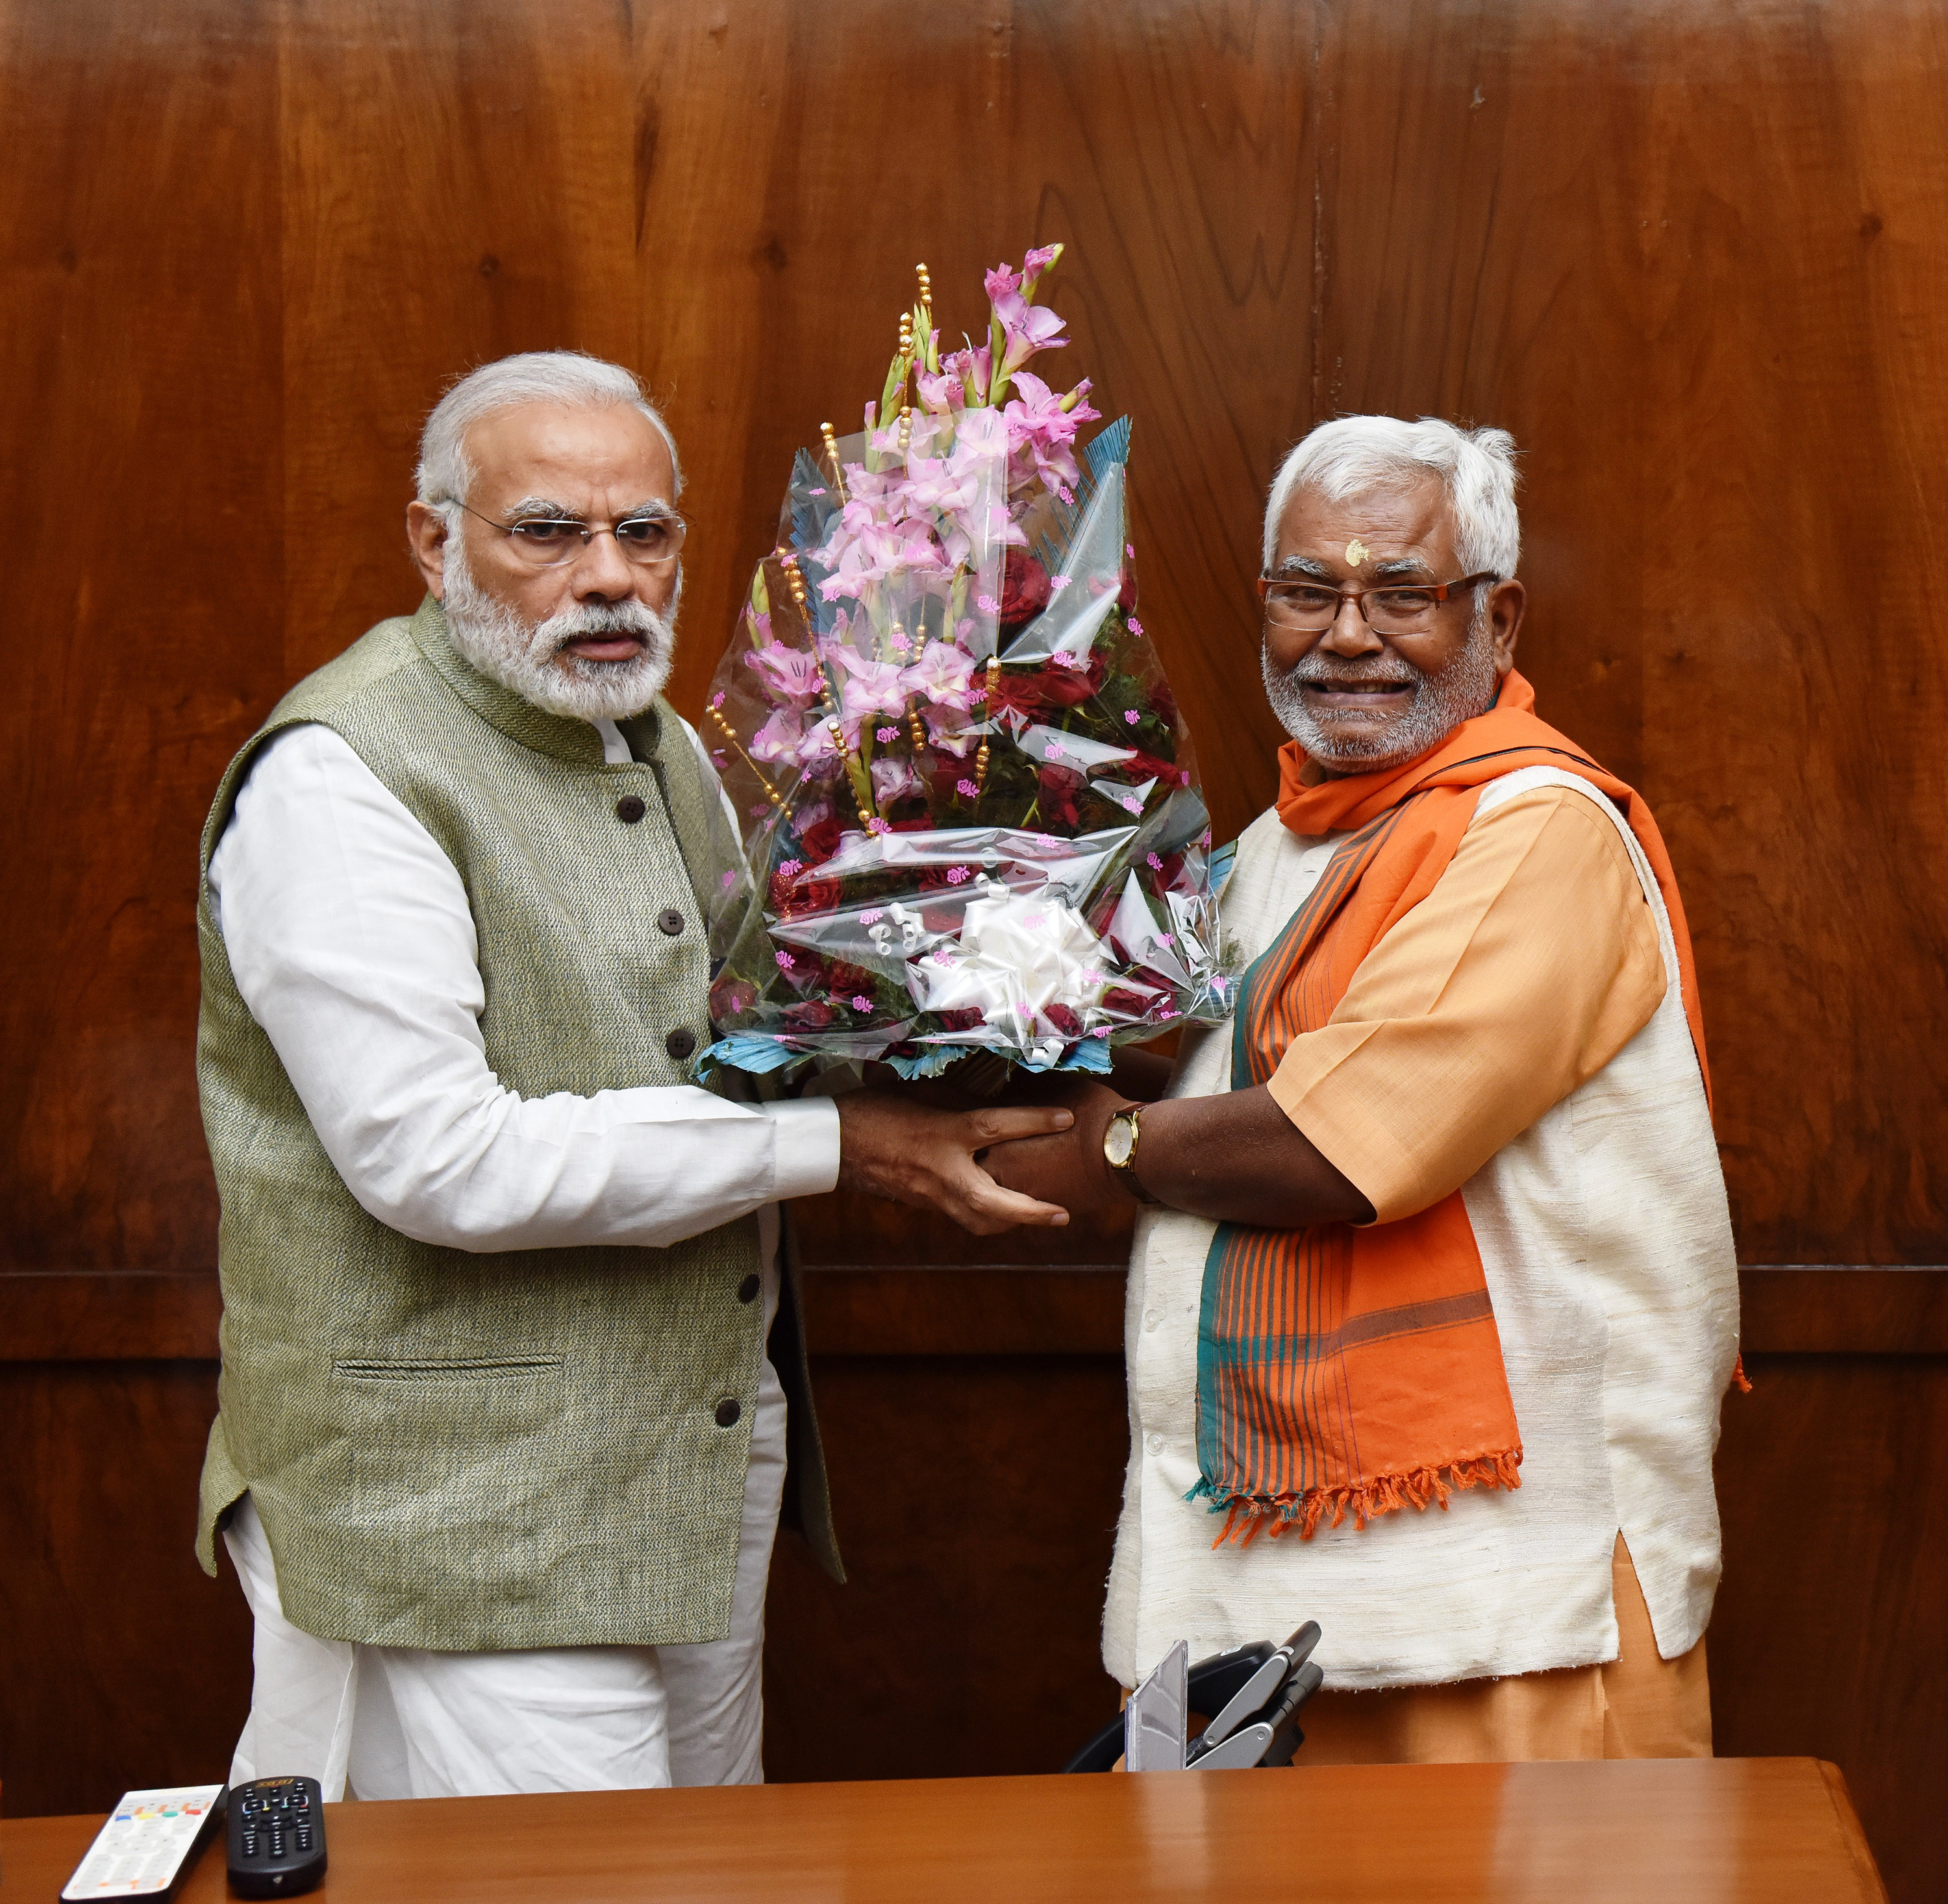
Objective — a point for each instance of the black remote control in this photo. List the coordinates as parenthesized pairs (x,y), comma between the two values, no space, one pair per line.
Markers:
(276,1836)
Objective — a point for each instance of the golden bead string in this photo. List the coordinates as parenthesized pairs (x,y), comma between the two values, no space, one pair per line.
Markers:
(725,728)
(831,456)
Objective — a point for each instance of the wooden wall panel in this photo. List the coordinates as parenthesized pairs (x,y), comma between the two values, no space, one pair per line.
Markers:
(122,1666)
(1827,1637)
(1693,256)
(140,462)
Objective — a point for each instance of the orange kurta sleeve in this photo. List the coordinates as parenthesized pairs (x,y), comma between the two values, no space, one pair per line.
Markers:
(1530,965)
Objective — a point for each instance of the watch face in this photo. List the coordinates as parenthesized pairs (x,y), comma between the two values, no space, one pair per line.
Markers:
(1119,1141)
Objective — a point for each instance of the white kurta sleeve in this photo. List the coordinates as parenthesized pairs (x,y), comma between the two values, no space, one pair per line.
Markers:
(350,938)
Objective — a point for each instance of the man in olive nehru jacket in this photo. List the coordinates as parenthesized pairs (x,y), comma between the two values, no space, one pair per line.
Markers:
(501,1450)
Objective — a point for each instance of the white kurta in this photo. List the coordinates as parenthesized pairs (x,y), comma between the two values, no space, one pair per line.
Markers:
(1606,1242)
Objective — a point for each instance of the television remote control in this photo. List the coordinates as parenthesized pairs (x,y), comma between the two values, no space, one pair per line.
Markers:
(276,1836)
(150,1839)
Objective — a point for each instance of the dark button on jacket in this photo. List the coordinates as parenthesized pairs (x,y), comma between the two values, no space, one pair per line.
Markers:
(680,1043)
(629,809)
(747,1290)
(728,1409)
(671,920)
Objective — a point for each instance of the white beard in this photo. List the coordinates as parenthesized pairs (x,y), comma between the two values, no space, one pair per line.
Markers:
(530,660)
(1465,687)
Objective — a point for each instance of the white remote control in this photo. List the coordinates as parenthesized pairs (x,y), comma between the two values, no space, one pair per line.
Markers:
(150,1840)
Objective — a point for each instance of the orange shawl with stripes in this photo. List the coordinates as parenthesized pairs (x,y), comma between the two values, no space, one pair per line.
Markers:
(1343,1370)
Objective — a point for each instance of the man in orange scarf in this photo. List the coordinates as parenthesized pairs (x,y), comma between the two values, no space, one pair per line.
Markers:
(1435,1300)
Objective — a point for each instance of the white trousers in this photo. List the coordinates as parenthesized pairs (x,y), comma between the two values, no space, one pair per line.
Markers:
(397,1722)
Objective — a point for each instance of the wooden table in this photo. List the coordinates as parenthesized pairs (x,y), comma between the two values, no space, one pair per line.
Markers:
(1781,1831)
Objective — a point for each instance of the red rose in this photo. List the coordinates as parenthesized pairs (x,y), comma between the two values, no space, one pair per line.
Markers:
(810,1015)
(1147,767)
(1024,588)
(1126,595)
(1125,1002)
(819,843)
(1070,686)
(1064,1020)
(1059,786)
(847,980)
(1163,704)
(963,1018)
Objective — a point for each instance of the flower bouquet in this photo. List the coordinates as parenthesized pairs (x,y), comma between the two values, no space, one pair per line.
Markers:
(966,791)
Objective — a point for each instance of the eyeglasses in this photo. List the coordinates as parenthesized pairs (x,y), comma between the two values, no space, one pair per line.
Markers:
(652,540)
(1312,607)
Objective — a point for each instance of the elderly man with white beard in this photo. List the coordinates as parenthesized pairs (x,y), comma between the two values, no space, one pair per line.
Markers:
(1433,1301)
(509,1368)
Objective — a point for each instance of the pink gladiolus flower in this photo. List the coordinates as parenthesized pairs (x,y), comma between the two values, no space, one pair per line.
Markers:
(1039,259)
(894,779)
(942,675)
(791,675)
(1001,281)
(942,394)
(1041,433)
(874,687)
(780,738)
(1027,328)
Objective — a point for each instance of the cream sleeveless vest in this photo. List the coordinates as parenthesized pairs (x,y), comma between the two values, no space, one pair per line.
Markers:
(1606,1245)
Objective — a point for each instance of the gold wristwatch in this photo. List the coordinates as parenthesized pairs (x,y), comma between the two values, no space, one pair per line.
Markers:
(1119,1151)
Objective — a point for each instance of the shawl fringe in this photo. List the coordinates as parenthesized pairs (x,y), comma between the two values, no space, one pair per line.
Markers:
(1247,1515)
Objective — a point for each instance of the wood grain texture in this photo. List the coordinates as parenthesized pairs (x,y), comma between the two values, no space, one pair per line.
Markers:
(976,1499)
(1695,258)
(141,458)
(1828,1637)
(123,1665)
(1683,1831)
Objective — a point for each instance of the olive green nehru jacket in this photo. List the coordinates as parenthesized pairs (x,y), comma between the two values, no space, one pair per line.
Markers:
(482,1452)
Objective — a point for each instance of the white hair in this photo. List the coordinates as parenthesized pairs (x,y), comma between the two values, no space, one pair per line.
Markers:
(1350,455)
(567,377)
